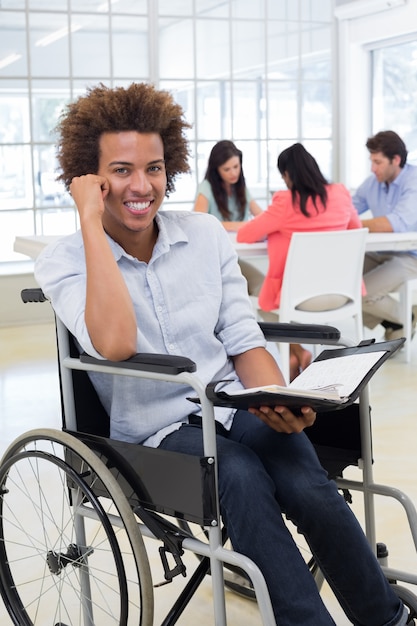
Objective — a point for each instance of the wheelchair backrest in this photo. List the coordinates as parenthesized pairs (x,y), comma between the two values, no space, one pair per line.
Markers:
(91,416)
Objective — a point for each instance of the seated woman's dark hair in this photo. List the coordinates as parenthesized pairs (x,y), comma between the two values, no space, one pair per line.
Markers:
(221,152)
(306,177)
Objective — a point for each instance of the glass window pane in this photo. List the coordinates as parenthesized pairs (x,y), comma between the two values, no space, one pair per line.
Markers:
(16,190)
(176,37)
(211,8)
(49,5)
(185,188)
(13,51)
(248,48)
(316,11)
(90,33)
(202,153)
(319,69)
(130,47)
(274,150)
(395,93)
(282,10)
(49,53)
(56,221)
(254,166)
(14,116)
(184,95)
(215,60)
(13,4)
(282,109)
(317,109)
(91,6)
(48,191)
(13,223)
(316,52)
(179,7)
(138,7)
(283,50)
(79,86)
(322,152)
(48,100)
(248,110)
(248,9)
(213,110)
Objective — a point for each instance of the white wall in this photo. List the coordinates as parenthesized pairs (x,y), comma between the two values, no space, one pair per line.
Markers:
(12,310)
(354,36)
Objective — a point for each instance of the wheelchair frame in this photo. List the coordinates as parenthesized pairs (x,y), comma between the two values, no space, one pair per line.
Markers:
(106,461)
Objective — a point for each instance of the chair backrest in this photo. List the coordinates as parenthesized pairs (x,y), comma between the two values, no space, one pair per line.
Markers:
(322,280)
(90,413)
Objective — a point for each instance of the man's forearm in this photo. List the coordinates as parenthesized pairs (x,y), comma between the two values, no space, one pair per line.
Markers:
(109,312)
(257,367)
(378,225)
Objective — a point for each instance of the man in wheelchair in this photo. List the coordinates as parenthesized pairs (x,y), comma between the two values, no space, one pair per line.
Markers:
(135,278)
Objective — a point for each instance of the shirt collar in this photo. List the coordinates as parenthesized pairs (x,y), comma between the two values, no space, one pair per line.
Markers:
(170,233)
(398,179)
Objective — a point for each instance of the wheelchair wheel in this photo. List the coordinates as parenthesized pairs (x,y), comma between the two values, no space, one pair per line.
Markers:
(68,556)
(410,602)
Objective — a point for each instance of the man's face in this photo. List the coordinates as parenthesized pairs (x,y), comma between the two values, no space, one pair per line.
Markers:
(386,170)
(133,164)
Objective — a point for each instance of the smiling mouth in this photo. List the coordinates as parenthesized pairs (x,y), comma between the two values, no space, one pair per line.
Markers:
(138,207)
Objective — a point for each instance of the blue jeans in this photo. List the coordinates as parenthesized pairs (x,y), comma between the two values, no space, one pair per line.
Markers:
(263,475)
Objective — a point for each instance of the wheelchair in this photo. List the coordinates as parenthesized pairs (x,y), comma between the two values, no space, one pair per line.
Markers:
(74,553)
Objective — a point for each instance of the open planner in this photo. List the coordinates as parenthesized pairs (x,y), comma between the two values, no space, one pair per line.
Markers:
(333,380)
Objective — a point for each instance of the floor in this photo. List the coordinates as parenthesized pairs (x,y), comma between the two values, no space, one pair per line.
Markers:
(29,399)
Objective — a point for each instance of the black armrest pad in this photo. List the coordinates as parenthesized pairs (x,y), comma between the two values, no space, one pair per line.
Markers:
(35,294)
(160,363)
(300,333)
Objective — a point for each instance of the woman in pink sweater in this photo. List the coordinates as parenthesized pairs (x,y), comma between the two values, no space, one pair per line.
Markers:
(309,204)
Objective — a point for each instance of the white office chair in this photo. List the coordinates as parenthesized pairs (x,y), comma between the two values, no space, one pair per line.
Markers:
(322,282)
(406,299)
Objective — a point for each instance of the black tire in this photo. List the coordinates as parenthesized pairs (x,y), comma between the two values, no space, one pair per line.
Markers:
(410,601)
(68,556)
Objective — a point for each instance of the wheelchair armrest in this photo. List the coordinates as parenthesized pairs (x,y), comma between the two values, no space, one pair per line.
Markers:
(33,294)
(300,333)
(147,362)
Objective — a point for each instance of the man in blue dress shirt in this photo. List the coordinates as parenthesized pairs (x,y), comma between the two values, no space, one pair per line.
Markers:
(390,194)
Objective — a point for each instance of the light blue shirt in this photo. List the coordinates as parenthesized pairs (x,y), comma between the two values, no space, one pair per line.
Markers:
(190,300)
(205,190)
(397,201)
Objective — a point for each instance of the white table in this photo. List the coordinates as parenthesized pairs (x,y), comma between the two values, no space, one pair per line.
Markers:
(32,245)
(395,242)
(375,242)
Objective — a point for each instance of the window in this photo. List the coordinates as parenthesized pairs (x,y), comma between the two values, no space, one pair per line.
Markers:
(258,73)
(395,92)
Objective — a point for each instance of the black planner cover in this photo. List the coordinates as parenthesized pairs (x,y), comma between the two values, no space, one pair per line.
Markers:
(333,380)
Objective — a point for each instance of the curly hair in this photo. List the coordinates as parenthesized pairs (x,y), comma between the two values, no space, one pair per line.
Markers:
(140,107)
(220,153)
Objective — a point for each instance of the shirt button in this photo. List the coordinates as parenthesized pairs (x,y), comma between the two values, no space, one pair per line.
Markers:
(159,309)
(171,346)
